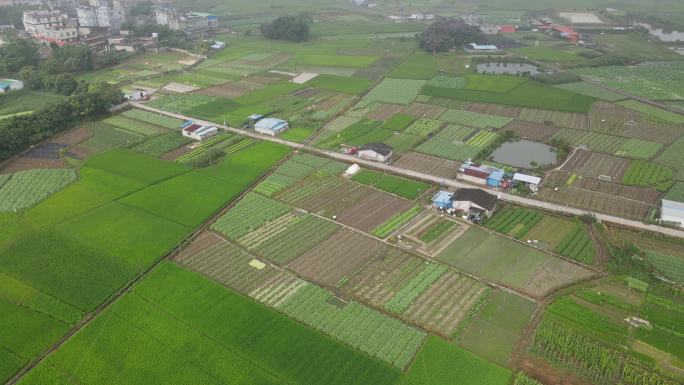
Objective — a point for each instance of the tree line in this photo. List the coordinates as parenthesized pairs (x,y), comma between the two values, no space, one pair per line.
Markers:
(19,132)
(293,28)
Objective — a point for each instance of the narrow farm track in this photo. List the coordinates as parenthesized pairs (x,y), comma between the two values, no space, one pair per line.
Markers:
(107,303)
(565,209)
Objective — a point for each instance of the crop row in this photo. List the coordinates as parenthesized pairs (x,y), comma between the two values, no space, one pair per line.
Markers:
(239,145)
(299,236)
(26,188)
(249,213)
(448,143)
(133,126)
(379,336)
(436,231)
(515,222)
(308,188)
(205,146)
(595,141)
(176,103)
(482,139)
(473,313)
(423,127)
(151,117)
(635,372)
(577,245)
(395,222)
(161,144)
(653,112)
(669,266)
(447,82)
(647,174)
(523,379)
(562,345)
(414,288)
(474,119)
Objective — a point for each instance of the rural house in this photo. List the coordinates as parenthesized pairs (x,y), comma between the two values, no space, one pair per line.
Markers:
(532,182)
(199,132)
(442,200)
(672,211)
(270,126)
(474,201)
(375,151)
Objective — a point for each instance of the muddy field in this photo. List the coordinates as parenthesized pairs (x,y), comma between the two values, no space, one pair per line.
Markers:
(596,201)
(384,111)
(556,118)
(539,132)
(493,109)
(617,120)
(374,209)
(424,111)
(383,277)
(224,262)
(445,303)
(428,164)
(337,257)
(334,199)
(553,274)
(230,90)
(593,165)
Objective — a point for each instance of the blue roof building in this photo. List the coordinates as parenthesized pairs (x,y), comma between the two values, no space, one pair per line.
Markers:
(442,200)
(495,178)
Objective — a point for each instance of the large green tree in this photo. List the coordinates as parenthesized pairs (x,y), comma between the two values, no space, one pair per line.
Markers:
(448,33)
(294,28)
(18,53)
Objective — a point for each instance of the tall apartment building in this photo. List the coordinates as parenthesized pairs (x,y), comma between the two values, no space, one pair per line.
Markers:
(37,21)
(192,23)
(100,16)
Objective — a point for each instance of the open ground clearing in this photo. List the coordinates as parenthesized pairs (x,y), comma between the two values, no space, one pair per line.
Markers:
(506,262)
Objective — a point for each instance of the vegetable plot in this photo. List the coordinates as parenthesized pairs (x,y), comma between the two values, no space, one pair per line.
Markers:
(26,188)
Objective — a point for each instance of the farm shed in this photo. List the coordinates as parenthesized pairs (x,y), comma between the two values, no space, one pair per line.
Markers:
(532,182)
(475,173)
(508,28)
(442,200)
(7,85)
(495,177)
(199,132)
(672,211)
(483,47)
(271,126)
(474,200)
(375,151)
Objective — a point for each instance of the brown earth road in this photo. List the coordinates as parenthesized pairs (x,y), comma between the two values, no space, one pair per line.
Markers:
(565,209)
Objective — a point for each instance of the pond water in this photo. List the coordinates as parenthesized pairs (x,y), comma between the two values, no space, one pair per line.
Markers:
(506,68)
(523,153)
(669,36)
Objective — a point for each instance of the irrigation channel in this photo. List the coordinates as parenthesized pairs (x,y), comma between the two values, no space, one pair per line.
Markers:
(429,178)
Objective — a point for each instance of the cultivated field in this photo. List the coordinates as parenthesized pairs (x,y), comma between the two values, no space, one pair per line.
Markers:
(337,257)
(594,165)
(428,164)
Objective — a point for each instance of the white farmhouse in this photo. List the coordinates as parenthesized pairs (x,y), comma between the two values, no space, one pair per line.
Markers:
(672,211)
(199,132)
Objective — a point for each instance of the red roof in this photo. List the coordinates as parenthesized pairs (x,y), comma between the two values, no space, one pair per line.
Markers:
(193,128)
(476,173)
(507,28)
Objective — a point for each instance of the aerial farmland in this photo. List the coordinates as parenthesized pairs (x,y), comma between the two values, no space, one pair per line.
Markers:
(345,192)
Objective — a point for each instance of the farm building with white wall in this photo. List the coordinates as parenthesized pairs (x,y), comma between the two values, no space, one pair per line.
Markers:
(7,85)
(199,132)
(376,151)
(673,212)
(271,126)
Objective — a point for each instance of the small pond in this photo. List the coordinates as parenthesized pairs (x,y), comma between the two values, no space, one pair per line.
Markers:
(506,68)
(525,154)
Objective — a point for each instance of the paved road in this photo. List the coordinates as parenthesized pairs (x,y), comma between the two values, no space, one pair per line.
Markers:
(430,178)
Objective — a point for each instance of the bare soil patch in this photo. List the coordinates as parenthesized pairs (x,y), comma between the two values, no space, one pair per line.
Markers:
(594,165)
(493,109)
(339,256)
(174,154)
(375,208)
(384,111)
(429,165)
(424,111)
